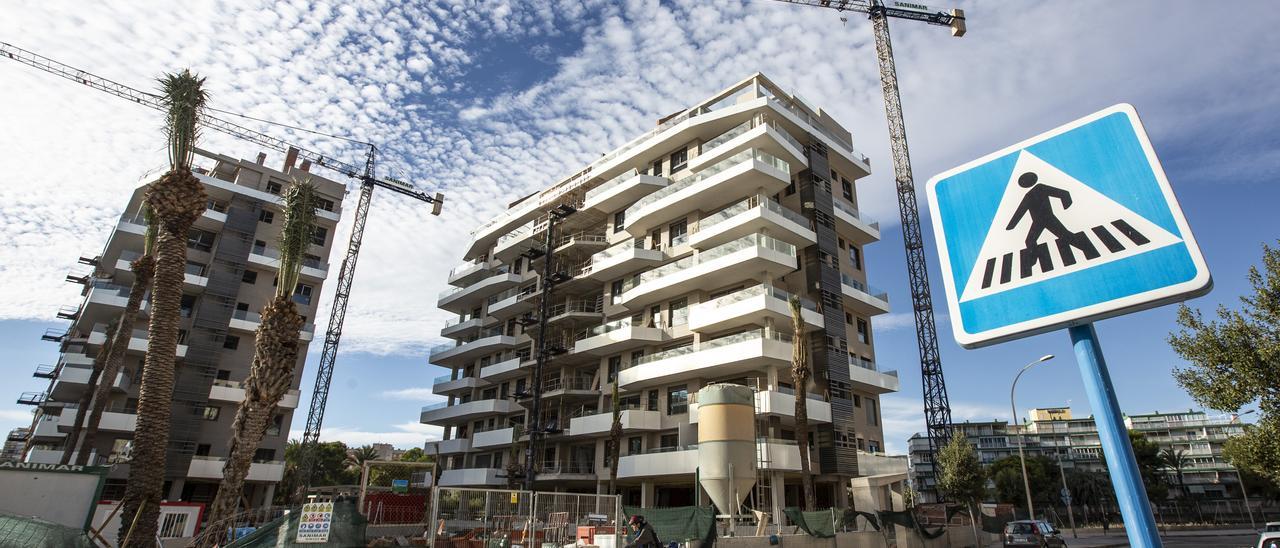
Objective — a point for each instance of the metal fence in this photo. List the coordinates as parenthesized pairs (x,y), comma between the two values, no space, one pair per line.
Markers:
(393,498)
(500,518)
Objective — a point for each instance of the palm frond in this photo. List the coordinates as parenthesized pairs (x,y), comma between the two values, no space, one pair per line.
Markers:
(184,99)
(300,202)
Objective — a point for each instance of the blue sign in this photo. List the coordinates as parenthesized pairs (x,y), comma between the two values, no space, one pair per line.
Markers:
(1068,227)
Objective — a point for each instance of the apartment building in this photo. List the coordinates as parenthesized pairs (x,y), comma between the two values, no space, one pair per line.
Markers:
(1054,433)
(674,258)
(231,271)
(13,445)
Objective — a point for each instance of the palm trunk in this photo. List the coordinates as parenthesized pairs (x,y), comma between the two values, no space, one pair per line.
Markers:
(275,356)
(86,398)
(143,270)
(615,440)
(177,200)
(800,377)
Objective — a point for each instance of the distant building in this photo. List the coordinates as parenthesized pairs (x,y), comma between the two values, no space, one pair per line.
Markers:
(386,451)
(13,444)
(1054,433)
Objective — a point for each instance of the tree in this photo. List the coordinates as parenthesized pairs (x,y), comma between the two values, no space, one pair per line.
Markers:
(360,455)
(961,477)
(275,356)
(144,269)
(177,199)
(615,440)
(330,467)
(1177,460)
(1147,453)
(1235,361)
(86,399)
(416,455)
(800,374)
(1042,475)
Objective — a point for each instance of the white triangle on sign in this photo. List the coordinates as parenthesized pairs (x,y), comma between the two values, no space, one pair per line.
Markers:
(1093,230)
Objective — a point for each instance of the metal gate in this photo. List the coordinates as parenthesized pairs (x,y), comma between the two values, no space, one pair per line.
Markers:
(500,518)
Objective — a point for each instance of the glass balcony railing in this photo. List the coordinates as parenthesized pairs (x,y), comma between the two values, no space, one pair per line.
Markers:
(611,183)
(745,242)
(585,307)
(616,250)
(247,316)
(443,379)
(849,281)
(862,363)
(605,328)
(753,335)
(756,291)
(709,171)
(455,290)
(749,204)
(435,406)
(755,122)
(520,232)
(467,267)
(856,214)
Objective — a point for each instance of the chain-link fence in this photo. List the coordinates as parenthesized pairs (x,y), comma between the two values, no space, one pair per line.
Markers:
(499,518)
(394,497)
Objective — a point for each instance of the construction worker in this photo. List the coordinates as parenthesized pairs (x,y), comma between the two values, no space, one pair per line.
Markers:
(645,537)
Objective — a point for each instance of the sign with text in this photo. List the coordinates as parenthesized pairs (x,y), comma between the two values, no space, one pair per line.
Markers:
(315,523)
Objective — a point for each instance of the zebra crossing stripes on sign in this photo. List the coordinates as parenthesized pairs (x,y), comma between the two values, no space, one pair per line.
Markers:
(1071,226)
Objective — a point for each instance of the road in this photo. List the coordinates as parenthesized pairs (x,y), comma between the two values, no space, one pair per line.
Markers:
(1229,538)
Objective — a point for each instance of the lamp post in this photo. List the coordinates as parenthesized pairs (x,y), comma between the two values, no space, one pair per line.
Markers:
(1022,456)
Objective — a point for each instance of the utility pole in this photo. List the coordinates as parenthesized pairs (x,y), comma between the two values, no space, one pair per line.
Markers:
(937,407)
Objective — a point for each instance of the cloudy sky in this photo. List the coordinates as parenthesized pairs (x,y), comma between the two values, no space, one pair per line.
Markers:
(489,100)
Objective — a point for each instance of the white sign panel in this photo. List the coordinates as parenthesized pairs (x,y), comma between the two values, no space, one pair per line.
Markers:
(315,522)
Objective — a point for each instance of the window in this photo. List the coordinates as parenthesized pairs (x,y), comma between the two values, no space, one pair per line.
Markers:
(655,316)
(679,159)
(653,400)
(846,188)
(200,240)
(855,257)
(265,216)
(615,292)
(864,332)
(677,400)
(210,413)
(857,401)
(187,306)
(615,365)
(273,187)
(232,342)
(242,307)
(324,203)
(791,188)
(635,445)
(678,232)
(848,318)
(277,422)
(264,455)
(678,312)
(655,239)
(872,415)
(619,221)
(250,277)
(223,375)
(635,360)
(318,235)
(608,453)
(656,168)
(202,449)
(302,294)
(669,440)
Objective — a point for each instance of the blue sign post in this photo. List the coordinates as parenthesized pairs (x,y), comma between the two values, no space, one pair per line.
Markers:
(1058,231)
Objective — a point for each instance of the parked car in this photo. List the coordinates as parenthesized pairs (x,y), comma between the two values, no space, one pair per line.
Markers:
(1032,533)
(1272,527)
(1269,539)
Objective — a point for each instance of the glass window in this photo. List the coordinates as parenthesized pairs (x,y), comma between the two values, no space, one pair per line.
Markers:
(619,221)
(655,316)
(857,401)
(200,240)
(324,203)
(615,292)
(318,234)
(653,400)
(679,159)
(202,449)
(210,413)
(873,415)
(187,306)
(273,187)
(302,294)
(656,168)
(232,342)
(615,365)
(678,312)
(677,400)
(250,277)
(265,216)
(678,232)
(864,331)
(669,440)
(855,257)
(635,445)
(846,188)
(264,455)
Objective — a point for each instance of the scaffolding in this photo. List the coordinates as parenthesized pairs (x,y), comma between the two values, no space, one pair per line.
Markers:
(501,518)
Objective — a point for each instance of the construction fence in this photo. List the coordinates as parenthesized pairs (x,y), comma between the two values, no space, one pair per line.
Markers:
(501,518)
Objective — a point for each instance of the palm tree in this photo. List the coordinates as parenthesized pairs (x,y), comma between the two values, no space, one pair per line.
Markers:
(800,374)
(143,268)
(615,439)
(177,199)
(1178,461)
(275,355)
(86,398)
(361,455)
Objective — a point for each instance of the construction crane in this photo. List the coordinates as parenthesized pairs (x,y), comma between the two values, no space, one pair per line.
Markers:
(333,335)
(937,409)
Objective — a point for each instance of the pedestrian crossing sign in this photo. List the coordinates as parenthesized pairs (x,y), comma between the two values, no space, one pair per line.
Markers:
(1071,226)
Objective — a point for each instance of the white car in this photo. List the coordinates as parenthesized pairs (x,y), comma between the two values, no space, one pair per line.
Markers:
(1269,539)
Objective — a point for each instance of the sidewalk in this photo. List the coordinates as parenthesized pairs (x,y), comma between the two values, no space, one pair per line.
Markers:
(1094,538)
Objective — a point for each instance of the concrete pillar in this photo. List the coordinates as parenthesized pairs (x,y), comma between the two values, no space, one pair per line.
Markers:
(777,491)
(646,494)
(268,494)
(175,490)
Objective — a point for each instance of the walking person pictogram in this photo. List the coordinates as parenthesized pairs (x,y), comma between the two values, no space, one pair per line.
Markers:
(1037,204)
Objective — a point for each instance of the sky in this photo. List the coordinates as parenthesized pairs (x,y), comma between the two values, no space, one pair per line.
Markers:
(487,101)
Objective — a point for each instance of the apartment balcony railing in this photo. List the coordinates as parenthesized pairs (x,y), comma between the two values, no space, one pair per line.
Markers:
(554,467)
(32,398)
(571,383)
(667,279)
(756,334)
(865,299)
(637,210)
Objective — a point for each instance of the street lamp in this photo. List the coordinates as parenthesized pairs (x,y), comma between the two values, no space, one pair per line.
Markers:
(1022,456)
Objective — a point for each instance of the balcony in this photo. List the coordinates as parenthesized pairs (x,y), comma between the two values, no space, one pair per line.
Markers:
(754,305)
(442,413)
(622,259)
(47,425)
(270,257)
(570,386)
(563,471)
(517,241)
(864,230)
(489,342)
(749,256)
(114,419)
(463,299)
(512,302)
(469,272)
(504,370)
(761,132)
(446,384)
(206,467)
(472,477)
(756,214)
(617,336)
(622,190)
(109,294)
(866,377)
(233,391)
(733,354)
(73,381)
(498,437)
(862,298)
(244,320)
(749,171)
(782,403)
(448,447)
(137,343)
(633,420)
(666,461)
(463,327)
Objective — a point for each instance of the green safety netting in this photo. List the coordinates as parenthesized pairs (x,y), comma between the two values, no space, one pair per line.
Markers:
(680,524)
(347,529)
(818,523)
(32,532)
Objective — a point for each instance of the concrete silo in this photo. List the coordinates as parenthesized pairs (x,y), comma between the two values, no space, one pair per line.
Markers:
(726,444)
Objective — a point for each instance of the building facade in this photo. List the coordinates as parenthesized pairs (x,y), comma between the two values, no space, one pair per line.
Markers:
(673,261)
(1054,433)
(231,270)
(13,444)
